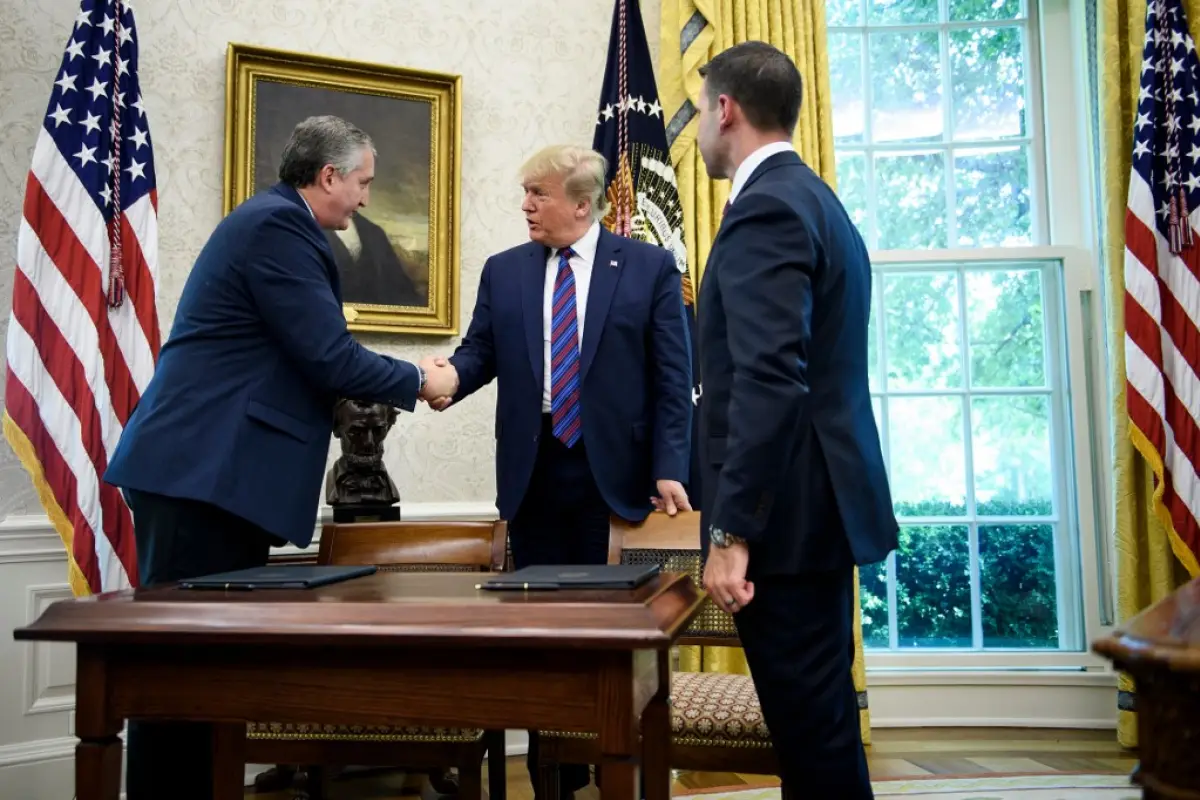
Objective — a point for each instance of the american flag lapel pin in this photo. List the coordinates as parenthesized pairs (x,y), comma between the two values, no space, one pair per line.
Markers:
(612,263)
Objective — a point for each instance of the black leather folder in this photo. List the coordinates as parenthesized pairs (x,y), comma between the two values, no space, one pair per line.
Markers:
(290,576)
(598,576)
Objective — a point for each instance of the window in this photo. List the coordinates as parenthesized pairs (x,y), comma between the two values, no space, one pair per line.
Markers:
(935,125)
(968,378)
(940,160)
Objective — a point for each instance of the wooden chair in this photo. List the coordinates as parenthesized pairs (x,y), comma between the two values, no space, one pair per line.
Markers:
(716,720)
(401,547)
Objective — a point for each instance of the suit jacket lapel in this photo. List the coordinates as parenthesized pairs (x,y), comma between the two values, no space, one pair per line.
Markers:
(606,271)
(283,190)
(533,285)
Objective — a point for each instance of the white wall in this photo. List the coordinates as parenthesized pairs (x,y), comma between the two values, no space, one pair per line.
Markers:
(531,74)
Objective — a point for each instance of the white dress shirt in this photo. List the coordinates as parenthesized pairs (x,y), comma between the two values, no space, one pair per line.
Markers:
(581,267)
(752,163)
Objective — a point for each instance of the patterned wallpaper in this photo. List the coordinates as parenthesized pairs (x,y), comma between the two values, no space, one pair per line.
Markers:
(531,76)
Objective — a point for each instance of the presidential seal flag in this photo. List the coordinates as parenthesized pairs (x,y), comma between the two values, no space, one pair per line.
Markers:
(1162,275)
(642,191)
(83,336)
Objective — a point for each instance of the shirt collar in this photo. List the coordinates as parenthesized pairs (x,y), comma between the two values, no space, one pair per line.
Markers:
(585,247)
(304,200)
(752,163)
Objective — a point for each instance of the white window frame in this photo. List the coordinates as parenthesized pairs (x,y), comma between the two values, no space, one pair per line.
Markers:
(1033,141)
(1069,284)
(1062,175)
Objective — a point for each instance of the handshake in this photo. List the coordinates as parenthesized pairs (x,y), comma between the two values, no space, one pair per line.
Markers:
(441,382)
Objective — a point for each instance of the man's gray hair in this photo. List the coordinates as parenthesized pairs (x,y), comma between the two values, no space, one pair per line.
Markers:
(318,141)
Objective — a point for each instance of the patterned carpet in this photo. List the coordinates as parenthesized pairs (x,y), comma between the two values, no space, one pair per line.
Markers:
(993,787)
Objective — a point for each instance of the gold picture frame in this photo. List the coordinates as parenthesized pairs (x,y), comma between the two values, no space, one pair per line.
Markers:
(414,118)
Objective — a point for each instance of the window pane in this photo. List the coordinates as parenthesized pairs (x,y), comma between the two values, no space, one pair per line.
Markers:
(843,12)
(933,587)
(846,85)
(922,331)
(928,462)
(1005,328)
(903,12)
(970,10)
(992,201)
(906,87)
(1017,576)
(911,201)
(872,597)
(1010,448)
(987,83)
(852,188)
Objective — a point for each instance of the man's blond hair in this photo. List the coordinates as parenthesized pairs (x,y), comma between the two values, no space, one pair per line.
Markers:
(582,171)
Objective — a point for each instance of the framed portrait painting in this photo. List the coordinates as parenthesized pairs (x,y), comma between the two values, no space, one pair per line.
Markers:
(398,260)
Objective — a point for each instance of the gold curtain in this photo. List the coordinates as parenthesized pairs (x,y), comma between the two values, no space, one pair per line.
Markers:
(1147,567)
(693,31)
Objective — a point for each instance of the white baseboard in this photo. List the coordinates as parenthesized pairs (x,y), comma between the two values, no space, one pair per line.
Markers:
(21,753)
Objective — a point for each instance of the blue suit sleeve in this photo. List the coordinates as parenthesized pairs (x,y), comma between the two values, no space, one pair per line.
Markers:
(766,294)
(294,295)
(672,362)
(475,357)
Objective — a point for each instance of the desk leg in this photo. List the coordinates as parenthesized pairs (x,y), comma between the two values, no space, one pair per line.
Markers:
(98,754)
(619,747)
(229,760)
(98,768)
(656,736)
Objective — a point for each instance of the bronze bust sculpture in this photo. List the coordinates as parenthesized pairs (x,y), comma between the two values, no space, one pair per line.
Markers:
(358,486)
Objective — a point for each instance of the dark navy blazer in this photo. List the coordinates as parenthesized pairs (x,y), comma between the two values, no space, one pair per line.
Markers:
(239,412)
(635,369)
(790,448)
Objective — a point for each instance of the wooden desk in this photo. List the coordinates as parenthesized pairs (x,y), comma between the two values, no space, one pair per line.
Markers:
(1160,649)
(391,648)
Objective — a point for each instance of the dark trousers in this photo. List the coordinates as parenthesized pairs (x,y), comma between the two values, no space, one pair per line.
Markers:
(798,637)
(179,539)
(563,519)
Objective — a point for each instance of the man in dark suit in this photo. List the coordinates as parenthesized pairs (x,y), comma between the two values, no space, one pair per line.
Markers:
(369,268)
(795,493)
(224,455)
(586,336)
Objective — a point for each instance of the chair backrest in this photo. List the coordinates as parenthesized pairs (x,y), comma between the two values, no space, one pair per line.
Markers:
(674,543)
(449,546)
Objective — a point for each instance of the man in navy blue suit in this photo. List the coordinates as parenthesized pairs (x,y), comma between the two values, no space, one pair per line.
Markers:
(795,493)
(586,336)
(224,455)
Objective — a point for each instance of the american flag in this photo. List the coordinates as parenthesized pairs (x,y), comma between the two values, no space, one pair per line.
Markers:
(83,337)
(1162,274)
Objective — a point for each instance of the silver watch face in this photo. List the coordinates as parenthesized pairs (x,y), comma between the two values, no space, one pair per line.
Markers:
(717,536)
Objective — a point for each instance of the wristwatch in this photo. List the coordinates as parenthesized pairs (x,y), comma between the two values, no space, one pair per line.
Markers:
(720,539)
(421,373)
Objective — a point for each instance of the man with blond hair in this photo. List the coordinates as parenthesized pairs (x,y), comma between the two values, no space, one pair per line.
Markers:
(586,336)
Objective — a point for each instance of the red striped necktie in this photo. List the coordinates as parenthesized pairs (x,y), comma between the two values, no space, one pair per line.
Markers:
(564,355)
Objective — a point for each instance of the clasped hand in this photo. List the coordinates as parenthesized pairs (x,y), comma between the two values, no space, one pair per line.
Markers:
(441,382)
